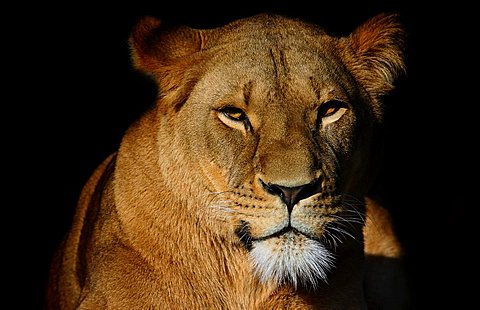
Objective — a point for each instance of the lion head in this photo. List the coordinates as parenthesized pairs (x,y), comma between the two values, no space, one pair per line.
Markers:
(264,131)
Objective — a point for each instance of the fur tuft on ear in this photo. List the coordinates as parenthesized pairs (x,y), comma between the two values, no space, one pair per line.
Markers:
(168,54)
(141,45)
(378,53)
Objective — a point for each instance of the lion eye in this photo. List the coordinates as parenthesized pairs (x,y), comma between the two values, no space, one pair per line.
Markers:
(235,114)
(331,111)
(235,118)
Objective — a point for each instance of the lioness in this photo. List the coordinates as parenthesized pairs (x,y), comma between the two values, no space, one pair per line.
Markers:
(244,186)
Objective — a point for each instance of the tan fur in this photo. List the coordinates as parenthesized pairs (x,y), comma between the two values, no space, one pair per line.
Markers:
(188,213)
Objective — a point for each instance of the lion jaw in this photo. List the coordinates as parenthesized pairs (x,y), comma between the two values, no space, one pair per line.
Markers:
(291,257)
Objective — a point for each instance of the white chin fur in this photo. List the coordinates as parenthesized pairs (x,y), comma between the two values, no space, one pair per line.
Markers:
(291,258)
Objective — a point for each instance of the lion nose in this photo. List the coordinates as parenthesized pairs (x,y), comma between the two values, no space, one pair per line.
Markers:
(292,195)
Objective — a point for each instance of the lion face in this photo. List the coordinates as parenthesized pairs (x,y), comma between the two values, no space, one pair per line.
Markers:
(280,138)
(277,118)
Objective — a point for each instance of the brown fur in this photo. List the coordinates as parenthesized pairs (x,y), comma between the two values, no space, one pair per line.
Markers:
(170,219)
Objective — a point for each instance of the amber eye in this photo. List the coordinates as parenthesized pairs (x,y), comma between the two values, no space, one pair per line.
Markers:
(235,118)
(329,108)
(234,114)
(331,111)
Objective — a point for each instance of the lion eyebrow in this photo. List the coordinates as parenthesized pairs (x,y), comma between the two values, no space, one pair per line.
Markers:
(322,91)
(317,89)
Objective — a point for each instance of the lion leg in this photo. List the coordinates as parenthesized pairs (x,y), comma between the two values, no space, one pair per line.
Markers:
(385,279)
(63,282)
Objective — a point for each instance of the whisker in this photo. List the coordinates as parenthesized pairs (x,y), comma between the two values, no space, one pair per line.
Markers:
(356,213)
(227,209)
(348,219)
(352,198)
(341,231)
(326,240)
(223,208)
(330,238)
(219,193)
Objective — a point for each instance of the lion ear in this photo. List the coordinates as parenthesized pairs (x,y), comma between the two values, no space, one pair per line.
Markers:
(167,54)
(378,53)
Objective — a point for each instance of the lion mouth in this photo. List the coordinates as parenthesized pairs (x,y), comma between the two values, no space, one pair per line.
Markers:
(289,230)
(243,233)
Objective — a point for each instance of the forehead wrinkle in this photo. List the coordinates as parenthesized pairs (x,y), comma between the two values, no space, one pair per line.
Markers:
(247,91)
(304,75)
(279,62)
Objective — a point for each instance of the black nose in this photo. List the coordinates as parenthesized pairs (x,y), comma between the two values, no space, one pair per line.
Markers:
(291,195)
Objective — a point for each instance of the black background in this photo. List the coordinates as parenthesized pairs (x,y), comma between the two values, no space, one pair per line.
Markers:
(71,94)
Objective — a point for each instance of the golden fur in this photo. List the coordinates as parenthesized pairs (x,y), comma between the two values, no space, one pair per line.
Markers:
(244,186)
